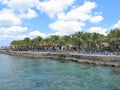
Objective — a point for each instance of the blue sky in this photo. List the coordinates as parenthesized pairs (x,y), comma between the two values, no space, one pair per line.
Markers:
(31,18)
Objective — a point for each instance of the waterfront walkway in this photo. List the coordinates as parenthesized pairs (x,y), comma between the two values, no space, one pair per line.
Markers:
(106,60)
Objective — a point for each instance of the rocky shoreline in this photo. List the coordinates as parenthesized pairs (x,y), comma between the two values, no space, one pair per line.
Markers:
(105,60)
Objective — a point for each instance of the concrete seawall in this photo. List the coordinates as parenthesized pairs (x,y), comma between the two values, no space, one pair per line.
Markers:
(80,58)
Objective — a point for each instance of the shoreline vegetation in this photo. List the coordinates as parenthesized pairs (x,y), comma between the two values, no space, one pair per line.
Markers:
(105,60)
(82,47)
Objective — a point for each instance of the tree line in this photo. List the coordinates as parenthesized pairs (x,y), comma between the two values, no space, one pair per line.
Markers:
(80,40)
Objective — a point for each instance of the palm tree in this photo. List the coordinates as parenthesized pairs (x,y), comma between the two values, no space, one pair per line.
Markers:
(67,39)
(26,41)
(90,41)
(36,41)
(79,38)
(54,39)
(114,39)
(87,38)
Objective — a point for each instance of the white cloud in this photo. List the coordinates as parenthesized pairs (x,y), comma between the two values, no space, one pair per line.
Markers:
(58,33)
(117,25)
(20,5)
(29,14)
(66,26)
(96,19)
(52,7)
(31,35)
(79,13)
(36,33)
(20,37)
(12,34)
(7,17)
(72,21)
(13,30)
(82,13)
(97,30)
(10,18)
(16,11)
(3,37)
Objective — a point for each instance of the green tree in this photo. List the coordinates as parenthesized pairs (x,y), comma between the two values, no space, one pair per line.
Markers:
(26,41)
(114,39)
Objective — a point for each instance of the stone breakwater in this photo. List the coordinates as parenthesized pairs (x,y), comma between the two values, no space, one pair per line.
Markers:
(69,56)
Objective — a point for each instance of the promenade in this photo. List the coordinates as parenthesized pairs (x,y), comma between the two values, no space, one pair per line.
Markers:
(106,60)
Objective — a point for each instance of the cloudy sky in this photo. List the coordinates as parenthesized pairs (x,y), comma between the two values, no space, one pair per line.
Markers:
(30,18)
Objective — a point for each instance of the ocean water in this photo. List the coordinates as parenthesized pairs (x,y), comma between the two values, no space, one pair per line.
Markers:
(22,73)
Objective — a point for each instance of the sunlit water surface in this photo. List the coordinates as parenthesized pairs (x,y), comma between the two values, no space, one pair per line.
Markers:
(21,73)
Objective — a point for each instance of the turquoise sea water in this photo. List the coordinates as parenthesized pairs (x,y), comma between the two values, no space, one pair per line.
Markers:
(21,73)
